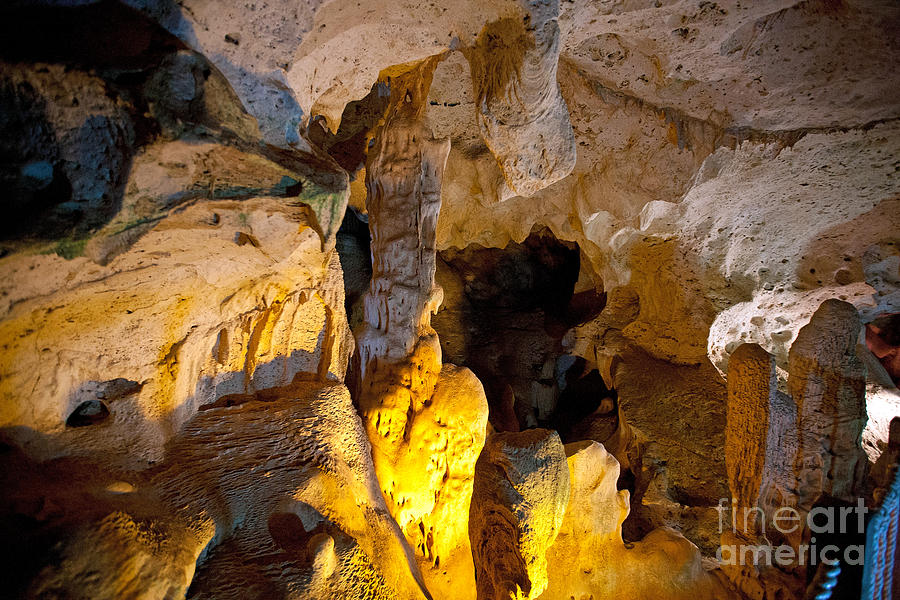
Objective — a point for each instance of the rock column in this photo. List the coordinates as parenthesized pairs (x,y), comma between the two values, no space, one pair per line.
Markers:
(426,423)
(828,383)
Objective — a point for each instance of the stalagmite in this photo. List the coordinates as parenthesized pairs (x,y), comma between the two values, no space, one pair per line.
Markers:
(827,383)
(426,424)
(760,440)
(457,300)
(520,496)
(760,436)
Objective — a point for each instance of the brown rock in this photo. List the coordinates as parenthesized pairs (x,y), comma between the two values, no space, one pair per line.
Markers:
(760,436)
(827,383)
(520,496)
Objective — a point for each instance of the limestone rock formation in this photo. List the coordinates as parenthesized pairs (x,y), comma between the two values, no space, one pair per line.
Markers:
(519,498)
(520,110)
(404,174)
(172,249)
(761,432)
(188,312)
(665,233)
(589,558)
(646,114)
(793,453)
(314,481)
(274,496)
(426,422)
(66,147)
(677,482)
(167,174)
(760,442)
(827,383)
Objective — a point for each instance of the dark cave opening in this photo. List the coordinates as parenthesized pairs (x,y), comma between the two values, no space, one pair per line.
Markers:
(505,313)
(352,244)
(504,316)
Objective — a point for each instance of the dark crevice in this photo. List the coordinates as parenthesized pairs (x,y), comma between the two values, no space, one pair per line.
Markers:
(87,413)
(353,246)
(505,313)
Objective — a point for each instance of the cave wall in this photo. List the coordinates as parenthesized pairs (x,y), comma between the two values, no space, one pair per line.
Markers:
(609,200)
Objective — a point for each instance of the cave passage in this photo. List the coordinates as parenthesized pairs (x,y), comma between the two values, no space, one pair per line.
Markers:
(504,315)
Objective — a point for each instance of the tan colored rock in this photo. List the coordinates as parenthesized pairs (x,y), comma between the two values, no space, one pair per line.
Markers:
(403,174)
(744,266)
(426,422)
(827,383)
(625,159)
(272,497)
(778,268)
(520,111)
(760,436)
(122,556)
(692,248)
(520,496)
(278,479)
(429,477)
(288,63)
(677,423)
(675,462)
(167,174)
(399,355)
(186,312)
(734,171)
(770,65)
(760,440)
(588,559)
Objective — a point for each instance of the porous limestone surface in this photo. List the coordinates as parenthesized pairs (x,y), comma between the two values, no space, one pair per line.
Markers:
(223,298)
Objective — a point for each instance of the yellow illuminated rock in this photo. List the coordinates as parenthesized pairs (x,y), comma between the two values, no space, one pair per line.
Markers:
(589,558)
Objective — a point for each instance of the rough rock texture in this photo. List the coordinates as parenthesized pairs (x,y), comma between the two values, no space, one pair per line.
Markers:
(760,441)
(403,179)
(520,111)
(167,174)
(790,270)
(198,262)
(727,170)
(289,62)
(427,478)
(108,82)
(770,65)
(189,311)
(314,474)
(666,425)
(589,558)
(754,275)
(761,433)
(520,496)
(66,147)
(827,383)
(653,92)
(678,479)
(653,89)
(797,451)
(427,423)
(280,496)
